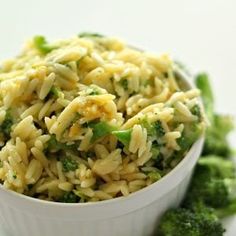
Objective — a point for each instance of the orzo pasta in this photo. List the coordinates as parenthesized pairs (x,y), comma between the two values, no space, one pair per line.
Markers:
(89,119)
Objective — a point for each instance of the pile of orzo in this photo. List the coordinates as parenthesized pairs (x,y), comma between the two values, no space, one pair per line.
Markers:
(89,119)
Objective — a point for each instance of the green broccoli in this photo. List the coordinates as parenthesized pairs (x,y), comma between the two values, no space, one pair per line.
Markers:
(190,134)
(217,167)
(159,128)
(213,188)
(216,193)
(100,129)
(203,83)
(123,136)
(42,45)
(69,197)
(6,125)
(216,135)
(55,92)
(54,146)
(69,164)
(124,83)
(213,183)
(181,222)
(154,175)
(90,35)
(229,210)
(196,110)
(154,130)
(155,151)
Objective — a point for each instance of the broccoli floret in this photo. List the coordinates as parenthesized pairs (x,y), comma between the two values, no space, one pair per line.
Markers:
(159,128)
(217,167)
(181,221)
(55,92)
(54,146)
(224,124)
(154,176)
(190,134)
(69,164)
(229,210)
(196,110)
(214,193)
(42,45)
(124,84)
(69,197)
(213,183)
(216,136)
(217,146)
(145,123)
(5,127)
(154,130)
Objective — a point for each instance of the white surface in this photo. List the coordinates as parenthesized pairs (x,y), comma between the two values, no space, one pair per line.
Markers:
(201,33)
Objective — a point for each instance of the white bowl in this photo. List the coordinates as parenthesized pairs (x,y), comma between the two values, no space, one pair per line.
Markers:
(136,214)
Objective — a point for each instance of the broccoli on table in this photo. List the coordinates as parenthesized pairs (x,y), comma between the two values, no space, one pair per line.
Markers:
(216,136)
(53,145)
(220,125)
(217,167)
(213,183)
(181,222)
(203,83)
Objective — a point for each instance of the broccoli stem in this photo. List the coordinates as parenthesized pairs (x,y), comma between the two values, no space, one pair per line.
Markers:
(123,136)
(203,83)
(101,129)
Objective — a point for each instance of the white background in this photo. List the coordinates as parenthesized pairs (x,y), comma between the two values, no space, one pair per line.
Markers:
(200,33)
